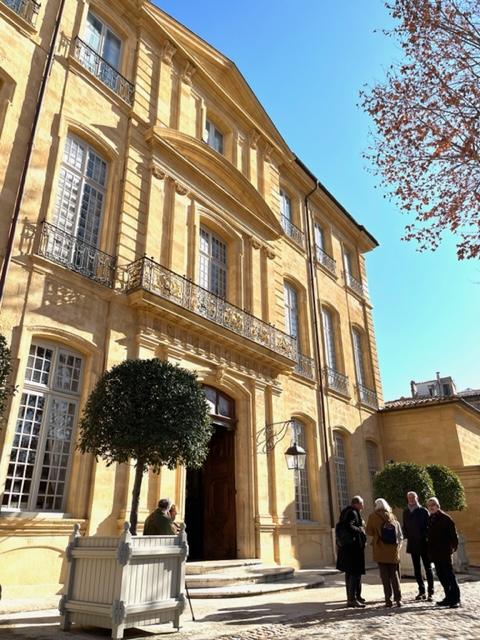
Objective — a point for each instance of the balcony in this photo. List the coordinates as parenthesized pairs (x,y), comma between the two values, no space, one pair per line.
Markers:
(305,367)
(76,255)
(354,284)
(293,231)
(26,9)
(336,381)
(104,71)
(368,397)
(147,275)
(325,260)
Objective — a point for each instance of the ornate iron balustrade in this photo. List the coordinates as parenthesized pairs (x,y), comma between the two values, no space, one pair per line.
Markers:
(354,284)
(293,231)
(26,9)
(336,381)
(75,254)
(367,396)
(153,277)
(305,366)
(104,71)
(327,261)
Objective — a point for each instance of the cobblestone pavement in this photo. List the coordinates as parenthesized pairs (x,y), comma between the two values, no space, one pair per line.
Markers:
(311,614)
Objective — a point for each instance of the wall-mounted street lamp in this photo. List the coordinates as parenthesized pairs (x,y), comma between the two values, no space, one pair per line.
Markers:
(295,455)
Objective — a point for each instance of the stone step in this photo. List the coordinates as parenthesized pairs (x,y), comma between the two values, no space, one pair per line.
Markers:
(307,580)
(208,566)
(239,575)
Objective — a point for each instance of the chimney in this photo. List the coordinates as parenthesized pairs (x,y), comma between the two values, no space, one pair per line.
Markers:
(413,388)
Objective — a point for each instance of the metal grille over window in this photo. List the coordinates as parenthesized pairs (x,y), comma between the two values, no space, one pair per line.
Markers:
(302,494)
(341,471)
(321,255)
(290,229)
(40,457)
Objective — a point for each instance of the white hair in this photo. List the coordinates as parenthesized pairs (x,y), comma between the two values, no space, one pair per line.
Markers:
(381,504)
(434,500)
(412,493)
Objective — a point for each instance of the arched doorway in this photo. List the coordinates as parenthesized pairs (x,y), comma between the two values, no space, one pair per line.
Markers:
(210,513)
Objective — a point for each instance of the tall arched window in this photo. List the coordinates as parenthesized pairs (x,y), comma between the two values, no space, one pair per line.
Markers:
(213,263)
(302,493)
(341,470)
(291,310)
(359,356)
(329,339)
(40,457)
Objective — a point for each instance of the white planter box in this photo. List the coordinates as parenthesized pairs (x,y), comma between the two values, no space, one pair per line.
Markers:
(123,582)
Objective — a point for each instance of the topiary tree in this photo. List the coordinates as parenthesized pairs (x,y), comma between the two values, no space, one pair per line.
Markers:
(148,410)
(6,390)
(397,478)
(447,487)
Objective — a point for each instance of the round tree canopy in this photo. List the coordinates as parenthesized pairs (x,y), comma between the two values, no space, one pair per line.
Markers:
(149,410)
(398,478)
(447,487)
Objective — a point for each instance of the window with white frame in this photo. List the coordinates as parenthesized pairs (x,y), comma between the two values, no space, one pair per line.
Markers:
(81,192)
(341,470)
(329,339)
(291,310)
(100,37)
(40,458)
(358,355)
(372,459)
(213,263)
(285,206)
(319,237)
(213,136)
(302,494)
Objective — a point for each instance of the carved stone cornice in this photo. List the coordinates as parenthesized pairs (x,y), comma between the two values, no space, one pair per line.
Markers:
(168,51)
(255,242)
(180,188)
(254,138)
(270,253)
(158,172)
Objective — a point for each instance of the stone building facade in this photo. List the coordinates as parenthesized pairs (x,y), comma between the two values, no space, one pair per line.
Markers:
(162,214)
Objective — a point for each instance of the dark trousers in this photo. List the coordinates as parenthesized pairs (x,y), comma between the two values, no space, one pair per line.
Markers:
(448,580)
(353,585)
(423,556)
(390,576)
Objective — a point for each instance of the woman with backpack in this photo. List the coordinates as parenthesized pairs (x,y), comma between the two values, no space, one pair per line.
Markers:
(387,537)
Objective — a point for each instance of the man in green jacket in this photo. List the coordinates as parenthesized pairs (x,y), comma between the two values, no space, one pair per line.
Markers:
(159,523)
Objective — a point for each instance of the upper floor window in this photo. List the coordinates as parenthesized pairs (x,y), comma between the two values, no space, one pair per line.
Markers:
(42,444)
(213,137)
(352,277)
(319,237)
(321,253)
(81,191)
(285,205)
(102,40)
(372,459)
(341,470)
(291,310)
(329,339)
(302,493)
(213,263)
(359,356)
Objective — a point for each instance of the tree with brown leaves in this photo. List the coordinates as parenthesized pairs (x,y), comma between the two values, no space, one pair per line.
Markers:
(427,116)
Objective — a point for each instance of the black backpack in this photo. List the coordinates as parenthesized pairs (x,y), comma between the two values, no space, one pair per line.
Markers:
(388,533)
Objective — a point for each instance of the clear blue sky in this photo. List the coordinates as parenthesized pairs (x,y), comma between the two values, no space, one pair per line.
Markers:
(306,62)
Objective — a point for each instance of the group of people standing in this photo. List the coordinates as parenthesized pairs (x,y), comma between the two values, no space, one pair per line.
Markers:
(431,537)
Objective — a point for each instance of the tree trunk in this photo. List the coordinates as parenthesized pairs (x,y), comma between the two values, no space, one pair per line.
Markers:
(139,469)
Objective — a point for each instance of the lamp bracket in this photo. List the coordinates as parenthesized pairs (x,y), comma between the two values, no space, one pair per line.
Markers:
(273,433)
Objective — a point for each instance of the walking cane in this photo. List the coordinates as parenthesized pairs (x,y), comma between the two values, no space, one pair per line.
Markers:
(189,601)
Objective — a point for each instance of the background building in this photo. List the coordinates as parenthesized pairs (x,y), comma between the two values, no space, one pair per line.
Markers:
(160,213)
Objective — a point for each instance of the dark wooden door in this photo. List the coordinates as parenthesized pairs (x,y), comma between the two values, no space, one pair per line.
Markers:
(219,524)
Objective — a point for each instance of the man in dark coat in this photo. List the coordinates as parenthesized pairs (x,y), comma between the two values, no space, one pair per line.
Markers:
(442,541)
(159,523)
(415,523)
(351,540)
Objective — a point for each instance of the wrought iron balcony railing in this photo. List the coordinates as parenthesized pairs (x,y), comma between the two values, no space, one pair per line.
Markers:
(26,9)
(104,71)
(293,231)
(327,261)
(305,367)
(149,275)
(367,396)
(75,254)
(354,284)
(336,381)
